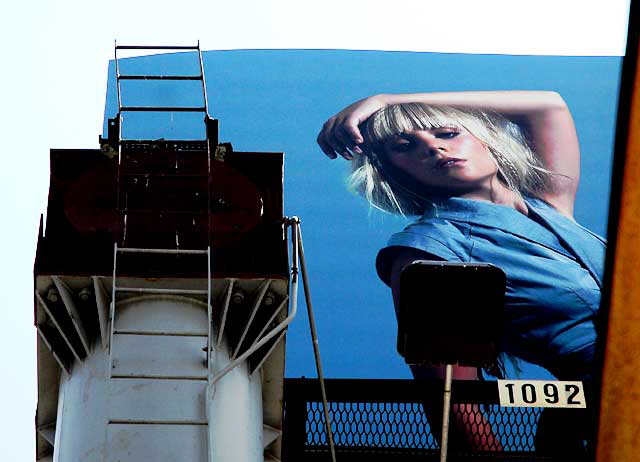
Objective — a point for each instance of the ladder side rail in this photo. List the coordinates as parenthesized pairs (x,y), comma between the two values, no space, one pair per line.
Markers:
(119,118)
(203,80)
(209,166)
(115,53)
(112,312)
(209,308)
(209,183)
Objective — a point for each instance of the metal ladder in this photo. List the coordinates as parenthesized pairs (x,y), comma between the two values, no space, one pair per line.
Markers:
(273,330)
(115,289)
(123,175)
(155,165)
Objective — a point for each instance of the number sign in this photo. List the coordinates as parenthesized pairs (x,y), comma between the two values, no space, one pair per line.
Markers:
(541,393)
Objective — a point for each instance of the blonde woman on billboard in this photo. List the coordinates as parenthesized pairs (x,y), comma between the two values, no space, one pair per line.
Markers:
(492,177)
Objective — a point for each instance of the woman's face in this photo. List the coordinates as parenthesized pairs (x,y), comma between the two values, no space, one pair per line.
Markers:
(448,159)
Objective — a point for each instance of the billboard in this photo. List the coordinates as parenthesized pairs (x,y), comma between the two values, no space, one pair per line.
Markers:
(278,100)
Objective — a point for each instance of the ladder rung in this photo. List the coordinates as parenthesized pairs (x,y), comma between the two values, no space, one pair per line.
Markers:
(160,77)
(162,109)
(159,377)
(162,251)
(194,213)
(136,146)
(156,47)
(159,334)
(157,422)
(150,290)
(164,175)
(142,144)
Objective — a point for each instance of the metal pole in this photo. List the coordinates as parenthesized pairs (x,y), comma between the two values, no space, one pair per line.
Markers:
(446,410)
(316,346)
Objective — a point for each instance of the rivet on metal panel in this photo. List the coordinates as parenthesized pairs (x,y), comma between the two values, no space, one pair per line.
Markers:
(269,298)
(237,298)
(52,295)
(84,294)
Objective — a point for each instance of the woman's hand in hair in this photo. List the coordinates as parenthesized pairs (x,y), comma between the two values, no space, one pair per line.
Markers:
(340,135)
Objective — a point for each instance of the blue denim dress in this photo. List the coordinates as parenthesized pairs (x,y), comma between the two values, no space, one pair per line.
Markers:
(554,272)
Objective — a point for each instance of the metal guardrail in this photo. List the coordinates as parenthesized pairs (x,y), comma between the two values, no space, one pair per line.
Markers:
(399,420)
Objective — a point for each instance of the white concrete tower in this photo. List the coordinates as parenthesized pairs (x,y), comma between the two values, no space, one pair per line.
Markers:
(162,299)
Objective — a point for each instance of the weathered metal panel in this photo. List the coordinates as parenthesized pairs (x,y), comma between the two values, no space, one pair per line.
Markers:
(158,356)
(157,443)
(162,314)
(234,407)
(82,220)
(158,400)
(82,411)
(104,420)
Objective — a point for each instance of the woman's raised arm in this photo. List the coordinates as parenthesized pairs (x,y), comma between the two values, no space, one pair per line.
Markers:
(543,115)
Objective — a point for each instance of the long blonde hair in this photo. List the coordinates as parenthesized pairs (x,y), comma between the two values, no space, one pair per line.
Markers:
(387,189)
